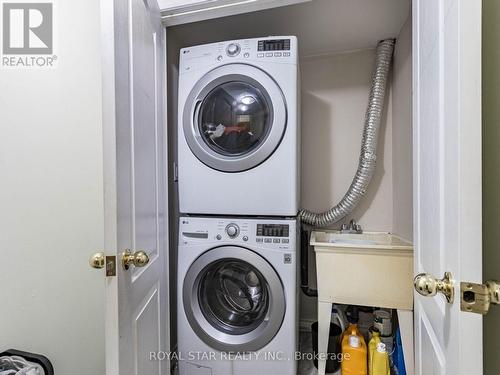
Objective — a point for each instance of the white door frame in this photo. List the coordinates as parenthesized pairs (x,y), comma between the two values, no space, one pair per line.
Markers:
(109,179)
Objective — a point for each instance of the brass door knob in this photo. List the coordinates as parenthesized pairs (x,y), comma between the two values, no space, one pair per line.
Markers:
(428,286)
(137,258)
(97,260)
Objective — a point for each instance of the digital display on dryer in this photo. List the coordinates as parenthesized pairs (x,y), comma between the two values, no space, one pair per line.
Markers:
(274,45)
(273,230)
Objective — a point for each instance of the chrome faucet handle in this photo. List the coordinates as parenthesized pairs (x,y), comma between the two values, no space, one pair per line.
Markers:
(352,224)
(351,228)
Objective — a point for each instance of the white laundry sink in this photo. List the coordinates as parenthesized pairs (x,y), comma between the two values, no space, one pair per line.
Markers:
(365,239)
(369,269)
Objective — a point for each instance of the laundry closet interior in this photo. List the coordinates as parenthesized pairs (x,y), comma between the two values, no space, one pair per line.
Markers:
(337,41)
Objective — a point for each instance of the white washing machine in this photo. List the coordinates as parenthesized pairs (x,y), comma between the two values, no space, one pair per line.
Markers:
(237,296)
(238,128)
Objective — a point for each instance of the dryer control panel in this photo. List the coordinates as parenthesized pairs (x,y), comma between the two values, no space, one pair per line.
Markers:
(273,233)
(279,49)
(274,45)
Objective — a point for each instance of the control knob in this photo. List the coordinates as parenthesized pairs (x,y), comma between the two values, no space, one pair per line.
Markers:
(232,230)
(233,49)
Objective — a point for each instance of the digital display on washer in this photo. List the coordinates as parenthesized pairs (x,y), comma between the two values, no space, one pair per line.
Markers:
(273,230)
(274,45)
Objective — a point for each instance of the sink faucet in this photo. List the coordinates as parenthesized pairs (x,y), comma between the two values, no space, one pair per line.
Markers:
(351,228)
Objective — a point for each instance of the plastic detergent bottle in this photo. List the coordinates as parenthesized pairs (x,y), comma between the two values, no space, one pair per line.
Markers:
(354,353)
(381,360)
(352,318)
(372,347)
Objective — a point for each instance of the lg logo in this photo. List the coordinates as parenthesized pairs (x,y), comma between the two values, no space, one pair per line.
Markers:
(27,28)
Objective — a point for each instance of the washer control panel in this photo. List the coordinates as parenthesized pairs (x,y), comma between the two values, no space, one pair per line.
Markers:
(272,233)
(273,230)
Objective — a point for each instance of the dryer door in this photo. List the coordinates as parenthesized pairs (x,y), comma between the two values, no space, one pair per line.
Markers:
(234,299)
(234,118)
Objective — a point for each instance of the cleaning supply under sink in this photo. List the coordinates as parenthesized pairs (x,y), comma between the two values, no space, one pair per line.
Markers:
(398,355)
(383,322)
(372,348)
(381,361)
(354,352)
(353,320)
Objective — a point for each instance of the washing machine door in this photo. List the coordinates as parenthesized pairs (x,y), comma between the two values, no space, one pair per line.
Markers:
(234,118)
(234,299)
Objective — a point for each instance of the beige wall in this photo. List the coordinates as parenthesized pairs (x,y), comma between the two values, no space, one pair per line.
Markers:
(51,216)
(334,96)
(402,137)
(334,93)
(491,174)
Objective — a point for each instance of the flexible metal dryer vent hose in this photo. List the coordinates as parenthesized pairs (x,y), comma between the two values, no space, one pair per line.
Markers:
(368,156)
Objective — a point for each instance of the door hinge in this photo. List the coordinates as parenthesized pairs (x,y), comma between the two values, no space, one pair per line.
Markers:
(477,298)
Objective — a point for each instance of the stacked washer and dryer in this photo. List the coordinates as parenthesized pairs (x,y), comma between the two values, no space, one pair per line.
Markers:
(238,168)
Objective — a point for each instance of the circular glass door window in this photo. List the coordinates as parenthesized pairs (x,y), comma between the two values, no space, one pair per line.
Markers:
(233,299)
(234,118)
(233,296)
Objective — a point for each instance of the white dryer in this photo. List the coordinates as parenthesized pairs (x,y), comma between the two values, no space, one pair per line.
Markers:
(237,296)
(238,128)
